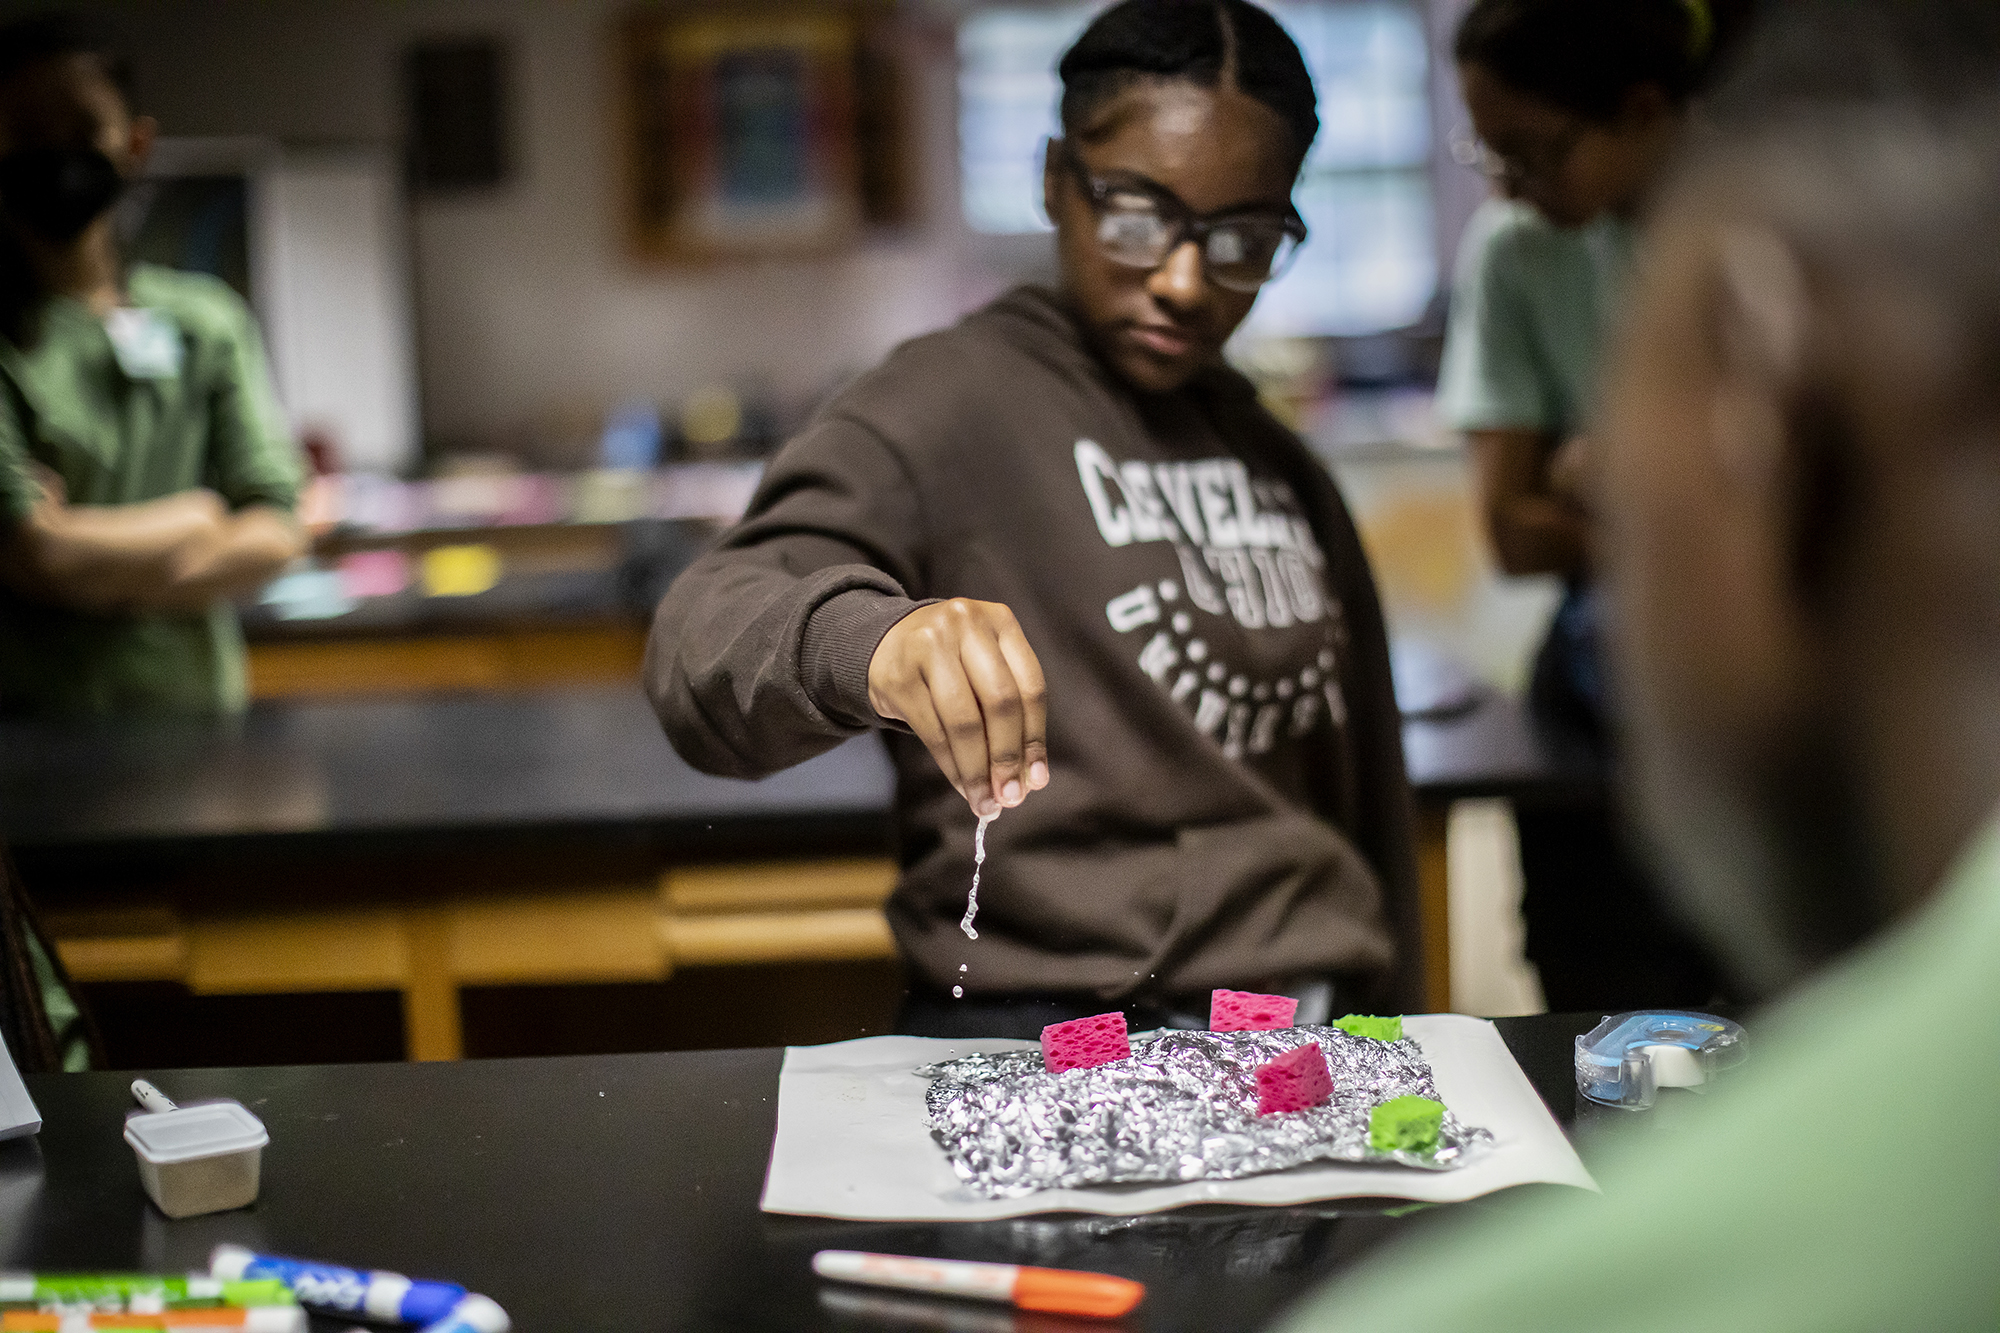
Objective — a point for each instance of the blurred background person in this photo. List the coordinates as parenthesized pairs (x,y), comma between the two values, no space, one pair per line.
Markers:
(1803,483)
(1576,105)
(146,472)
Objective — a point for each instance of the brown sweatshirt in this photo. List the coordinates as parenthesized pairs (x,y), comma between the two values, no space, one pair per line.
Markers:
(1227,802)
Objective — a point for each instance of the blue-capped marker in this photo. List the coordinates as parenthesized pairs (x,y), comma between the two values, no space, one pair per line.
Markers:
(376,1295)
(474,1314)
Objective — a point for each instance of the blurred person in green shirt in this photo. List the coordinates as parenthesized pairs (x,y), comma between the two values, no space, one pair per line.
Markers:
(146,471)
(1800,492)
(1577,107)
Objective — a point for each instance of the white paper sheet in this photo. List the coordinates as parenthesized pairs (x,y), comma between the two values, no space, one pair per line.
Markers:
(851,1141)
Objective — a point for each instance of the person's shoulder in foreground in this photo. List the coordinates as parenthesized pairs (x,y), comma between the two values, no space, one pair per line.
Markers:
(1802,460)
(1824,1190)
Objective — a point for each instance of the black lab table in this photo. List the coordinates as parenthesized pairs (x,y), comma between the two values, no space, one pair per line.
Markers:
(620,1192)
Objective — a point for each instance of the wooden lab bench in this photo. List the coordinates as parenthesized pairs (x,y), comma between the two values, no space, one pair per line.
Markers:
(424,845)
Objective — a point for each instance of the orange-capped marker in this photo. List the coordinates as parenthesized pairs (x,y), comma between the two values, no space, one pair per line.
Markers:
(1054,1290)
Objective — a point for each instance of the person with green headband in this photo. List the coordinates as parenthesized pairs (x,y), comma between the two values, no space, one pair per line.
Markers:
(1575,106)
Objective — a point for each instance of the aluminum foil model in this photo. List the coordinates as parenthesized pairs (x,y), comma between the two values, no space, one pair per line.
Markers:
(1182,1107)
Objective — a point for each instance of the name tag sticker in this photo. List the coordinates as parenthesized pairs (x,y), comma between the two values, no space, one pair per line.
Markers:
(146,342)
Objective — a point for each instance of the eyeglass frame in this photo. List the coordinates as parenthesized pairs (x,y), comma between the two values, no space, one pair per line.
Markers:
(1472,152)
(1184,224)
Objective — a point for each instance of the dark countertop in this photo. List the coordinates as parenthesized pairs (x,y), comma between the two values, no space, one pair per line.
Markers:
(620,1192)
(560,761)
(570,762)
(1498,748)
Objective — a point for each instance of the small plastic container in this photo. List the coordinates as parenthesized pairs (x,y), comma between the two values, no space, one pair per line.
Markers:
(199,1159)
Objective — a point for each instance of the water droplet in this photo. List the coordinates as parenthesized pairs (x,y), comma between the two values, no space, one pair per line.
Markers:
(958,992)
(978,860)
(961,967)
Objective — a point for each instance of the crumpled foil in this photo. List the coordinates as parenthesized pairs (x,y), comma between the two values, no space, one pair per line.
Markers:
(1184,1107)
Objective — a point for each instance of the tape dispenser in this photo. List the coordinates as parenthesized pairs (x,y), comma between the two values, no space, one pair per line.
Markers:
(1627,1058)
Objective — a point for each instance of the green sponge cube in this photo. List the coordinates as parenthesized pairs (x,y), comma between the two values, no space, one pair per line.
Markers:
(1366,1025)
(1409,1123)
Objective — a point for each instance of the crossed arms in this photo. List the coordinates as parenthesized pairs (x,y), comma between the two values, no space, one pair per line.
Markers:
(181,552)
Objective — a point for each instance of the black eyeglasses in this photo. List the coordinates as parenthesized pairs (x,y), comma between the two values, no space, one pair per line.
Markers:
(1139,224)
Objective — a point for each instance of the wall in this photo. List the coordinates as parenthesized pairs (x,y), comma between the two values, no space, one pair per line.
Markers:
(531,320)
(1456,190)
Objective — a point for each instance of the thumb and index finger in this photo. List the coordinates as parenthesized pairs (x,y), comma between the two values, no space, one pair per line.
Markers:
(963,676)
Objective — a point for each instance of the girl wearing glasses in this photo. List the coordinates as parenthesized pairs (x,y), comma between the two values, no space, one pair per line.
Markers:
(1066,564)
(1577,106)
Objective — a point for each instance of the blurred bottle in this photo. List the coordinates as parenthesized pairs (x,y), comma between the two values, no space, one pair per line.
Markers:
(631,438)
(711,423)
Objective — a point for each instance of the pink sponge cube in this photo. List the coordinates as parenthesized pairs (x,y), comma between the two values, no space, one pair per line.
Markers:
(1247,1011)
(1295,1080)
(1085,1043)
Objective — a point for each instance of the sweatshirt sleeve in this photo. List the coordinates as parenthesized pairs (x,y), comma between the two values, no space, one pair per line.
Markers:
(758,655)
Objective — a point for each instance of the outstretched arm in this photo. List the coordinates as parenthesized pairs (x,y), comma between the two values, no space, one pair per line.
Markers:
(800,629)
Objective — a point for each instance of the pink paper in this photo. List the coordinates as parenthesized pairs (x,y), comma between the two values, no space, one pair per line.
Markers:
(374,573)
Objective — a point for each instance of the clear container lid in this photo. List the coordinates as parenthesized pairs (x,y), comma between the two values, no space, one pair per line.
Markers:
(166,1137)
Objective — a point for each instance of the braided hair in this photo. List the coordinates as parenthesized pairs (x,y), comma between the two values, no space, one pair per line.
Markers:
(1585,56)
(1206,42)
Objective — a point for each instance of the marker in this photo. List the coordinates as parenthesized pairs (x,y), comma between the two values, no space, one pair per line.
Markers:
(143,1291)
(1055,1290)
(375,1295)
(474,1314)
(255,1319)
(886,1310)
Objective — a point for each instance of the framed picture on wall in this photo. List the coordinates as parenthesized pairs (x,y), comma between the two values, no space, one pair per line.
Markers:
(741,133)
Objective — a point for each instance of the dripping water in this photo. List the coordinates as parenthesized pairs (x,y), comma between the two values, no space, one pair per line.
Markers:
(972,899)
(978,860)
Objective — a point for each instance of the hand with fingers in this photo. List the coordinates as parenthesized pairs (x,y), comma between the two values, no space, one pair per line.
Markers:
(962,675)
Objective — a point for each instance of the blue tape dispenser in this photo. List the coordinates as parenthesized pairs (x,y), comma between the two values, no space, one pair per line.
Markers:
(1627,1058)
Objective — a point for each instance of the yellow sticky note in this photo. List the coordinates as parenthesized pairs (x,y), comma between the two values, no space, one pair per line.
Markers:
(460,571)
